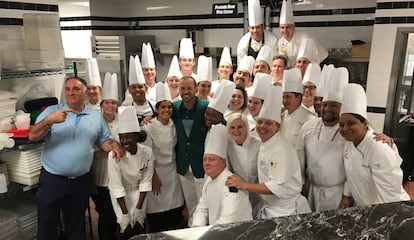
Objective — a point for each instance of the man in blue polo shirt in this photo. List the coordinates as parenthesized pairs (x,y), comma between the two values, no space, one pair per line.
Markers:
(70,131)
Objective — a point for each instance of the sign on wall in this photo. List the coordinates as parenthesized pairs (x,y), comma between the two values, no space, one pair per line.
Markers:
(224,9)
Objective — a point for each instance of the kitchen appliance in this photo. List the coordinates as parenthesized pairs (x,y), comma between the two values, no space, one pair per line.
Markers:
(112,54)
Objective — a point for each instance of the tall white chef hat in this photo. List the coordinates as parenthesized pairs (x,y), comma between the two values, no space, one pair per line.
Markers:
(147,59)
(246,64)
(110,87)
(127,120)
(255,13)
(272,104)
(286,13)
(162,92)
(93,77)
(174,68)
(262,83)
(325,76)
(217,142)
(135,71)
(265,54)
(354,100)
(225,57)
(186,48)
(308,50)
(336,84)
(292,81)
(312,74)
(204,69)
(222,96)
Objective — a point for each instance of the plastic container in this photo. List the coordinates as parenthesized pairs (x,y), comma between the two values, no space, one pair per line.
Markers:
(22,121)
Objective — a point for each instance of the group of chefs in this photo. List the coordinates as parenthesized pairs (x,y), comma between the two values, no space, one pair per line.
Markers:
(282,137)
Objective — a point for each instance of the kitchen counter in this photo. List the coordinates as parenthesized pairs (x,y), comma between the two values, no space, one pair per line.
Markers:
(385,221)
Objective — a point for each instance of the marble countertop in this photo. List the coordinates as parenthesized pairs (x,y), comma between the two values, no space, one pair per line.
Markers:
(385,221)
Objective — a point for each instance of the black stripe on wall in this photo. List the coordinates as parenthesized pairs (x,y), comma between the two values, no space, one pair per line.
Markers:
(11,21)
(393,20)
(157,18)
(329,12)
(331,23)
(376,109)
(159,27)
(220,26)
(395,5)
(29,6)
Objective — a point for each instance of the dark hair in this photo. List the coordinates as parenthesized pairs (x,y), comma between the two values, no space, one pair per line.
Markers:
(245,100)
(281,57)
(159,103)
(79,79)
(359,117)
(297,94)
(189,77)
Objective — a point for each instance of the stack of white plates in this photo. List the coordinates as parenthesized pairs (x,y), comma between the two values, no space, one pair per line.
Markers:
(8,226)
(23,207)
(23,165)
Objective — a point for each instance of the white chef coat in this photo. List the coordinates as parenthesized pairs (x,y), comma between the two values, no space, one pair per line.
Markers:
(144,110)
(162,139)
(320,150)
(311,109)
(129,176)
(292,123)
(269,40)
(217,205)
(252,126)
(242,160)
(96,106)
(279,170)
(100,166)
(373,172)
(151,94)
(290,48)
(177,98)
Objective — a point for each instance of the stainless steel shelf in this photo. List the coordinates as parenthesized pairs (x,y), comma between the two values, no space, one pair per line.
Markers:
(33,73)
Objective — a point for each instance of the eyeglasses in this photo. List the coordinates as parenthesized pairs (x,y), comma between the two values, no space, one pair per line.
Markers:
(309,87)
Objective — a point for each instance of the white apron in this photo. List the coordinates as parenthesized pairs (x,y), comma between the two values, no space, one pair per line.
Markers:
(162,139)
(171,195)
(325,169)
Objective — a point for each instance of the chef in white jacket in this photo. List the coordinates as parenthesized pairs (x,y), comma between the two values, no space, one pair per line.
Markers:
(251,42)
(242,151)
(149,70)
(219,204)
(257,93)
(224,69)
(372,168)
(279,174)
(295,114)
(130,177)
(186,58)
(320,147)
(94,88)
(166,201)
(100,196)
(290,41)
